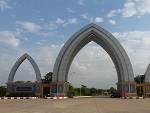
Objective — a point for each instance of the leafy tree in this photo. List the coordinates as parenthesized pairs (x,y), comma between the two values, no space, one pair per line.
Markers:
(47,78)
(77,91)
(93,91)
(28,81)
(139,78)
(112,90)
(99,91)
(19,81)
(2,91)
(85,91)
(71,88)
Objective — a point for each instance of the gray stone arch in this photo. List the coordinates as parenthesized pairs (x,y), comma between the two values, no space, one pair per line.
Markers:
(147,74)
(18,63)
(106,40)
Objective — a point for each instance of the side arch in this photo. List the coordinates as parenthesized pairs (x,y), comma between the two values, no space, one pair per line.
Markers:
(18,63)
(147,74)
(107,41)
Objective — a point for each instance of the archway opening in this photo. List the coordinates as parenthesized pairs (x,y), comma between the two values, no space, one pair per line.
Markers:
(95,65)
(25,73)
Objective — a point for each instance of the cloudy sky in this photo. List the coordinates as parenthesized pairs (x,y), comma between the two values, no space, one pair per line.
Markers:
(41,27)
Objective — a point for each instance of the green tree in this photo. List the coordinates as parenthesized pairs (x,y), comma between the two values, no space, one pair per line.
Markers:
(19,81)
(99,91)
(28,81)
(47,78)
(85,91)
(2,91)
(139,78)
(93,91)
(71,88)
(77,91)
(112,90)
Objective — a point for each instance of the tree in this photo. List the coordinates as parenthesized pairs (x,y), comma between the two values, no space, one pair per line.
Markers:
(139,78)
(93,91)
(28,81)
(47,78)
(2,91)
(112,90)
(19,81)
(85,91)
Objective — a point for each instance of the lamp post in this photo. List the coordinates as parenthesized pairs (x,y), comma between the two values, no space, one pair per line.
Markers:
(80,85)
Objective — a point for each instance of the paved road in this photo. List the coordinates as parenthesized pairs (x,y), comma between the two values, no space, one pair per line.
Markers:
(77,105)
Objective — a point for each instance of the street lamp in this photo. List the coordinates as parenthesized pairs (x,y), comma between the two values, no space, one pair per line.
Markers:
(80,85)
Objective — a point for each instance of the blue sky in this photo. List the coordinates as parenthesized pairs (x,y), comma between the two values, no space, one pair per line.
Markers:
(41,27)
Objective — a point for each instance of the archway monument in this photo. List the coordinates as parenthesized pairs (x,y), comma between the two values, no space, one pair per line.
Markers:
(109,43)
(33,88)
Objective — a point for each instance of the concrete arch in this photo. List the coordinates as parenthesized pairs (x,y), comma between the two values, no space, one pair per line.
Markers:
(18,63)
(107,41)
(147,74)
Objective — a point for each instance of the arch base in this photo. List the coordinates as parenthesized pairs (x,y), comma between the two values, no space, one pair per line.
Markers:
(129,88)
(59,89)
(146,88)
(33,88)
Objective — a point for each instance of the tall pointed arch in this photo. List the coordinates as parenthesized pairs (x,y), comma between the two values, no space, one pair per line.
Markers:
(18,63)
(106,40)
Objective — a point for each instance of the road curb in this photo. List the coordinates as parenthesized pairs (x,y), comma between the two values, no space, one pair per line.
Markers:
(132,98)
(18,97)
(55,97)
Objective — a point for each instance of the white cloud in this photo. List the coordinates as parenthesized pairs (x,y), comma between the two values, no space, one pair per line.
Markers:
(81,2)
(98,19)
(129,9)
(60,21)
(30,27)
(113,13)
(87,17)
(71,21)
(137,44)
(132,8)
(4,5)
(7,37)
(69,10)
(80,66)
(112,22)
(51,26)
(91,18)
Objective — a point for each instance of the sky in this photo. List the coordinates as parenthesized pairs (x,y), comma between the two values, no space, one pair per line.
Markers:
(40,28)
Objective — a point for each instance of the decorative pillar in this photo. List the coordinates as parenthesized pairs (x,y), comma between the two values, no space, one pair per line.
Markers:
(59,89)
(147,89)
(38,92)
(128,87)
(9,88)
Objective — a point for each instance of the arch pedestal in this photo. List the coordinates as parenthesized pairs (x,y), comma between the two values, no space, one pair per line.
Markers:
(128,87)
(59,89)
(33,88)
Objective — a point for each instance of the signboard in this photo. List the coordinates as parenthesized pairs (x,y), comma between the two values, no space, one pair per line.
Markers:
(24,89)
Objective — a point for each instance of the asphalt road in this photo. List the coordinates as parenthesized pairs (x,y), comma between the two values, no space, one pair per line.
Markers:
(76,105)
